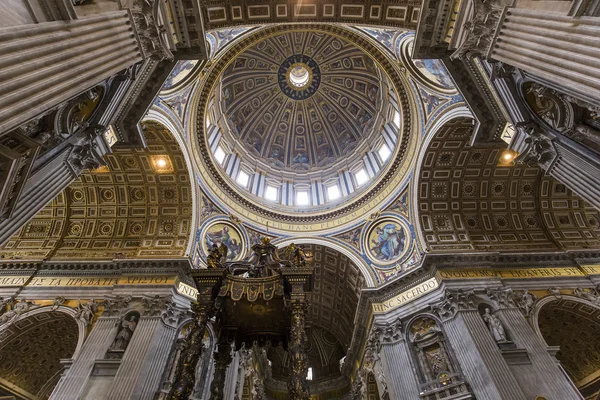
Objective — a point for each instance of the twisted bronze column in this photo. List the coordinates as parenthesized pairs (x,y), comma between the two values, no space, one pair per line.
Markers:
(185,374)
(297,385)
(222,360)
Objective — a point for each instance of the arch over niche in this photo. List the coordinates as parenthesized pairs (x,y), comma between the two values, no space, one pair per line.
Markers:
(467,200)
(572,324)
(138,206)
(31,350)
(338,281)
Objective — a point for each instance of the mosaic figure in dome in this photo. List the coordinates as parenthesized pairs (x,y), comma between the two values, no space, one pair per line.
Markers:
(222,234)
(389,242)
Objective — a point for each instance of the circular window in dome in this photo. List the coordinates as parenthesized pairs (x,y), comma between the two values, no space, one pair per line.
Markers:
(299,75)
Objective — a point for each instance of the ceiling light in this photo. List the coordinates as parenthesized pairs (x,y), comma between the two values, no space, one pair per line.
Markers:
(161,163)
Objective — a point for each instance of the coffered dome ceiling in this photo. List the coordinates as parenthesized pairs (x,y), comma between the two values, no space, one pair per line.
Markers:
(303,125)
(302,101)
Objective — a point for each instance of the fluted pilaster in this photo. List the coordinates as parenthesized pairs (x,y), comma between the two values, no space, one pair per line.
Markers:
(39,190)
(124,381)
(544,376)
(155,363)
(95,346)
(480,358)
(562,51)
(396,363)
(45,64)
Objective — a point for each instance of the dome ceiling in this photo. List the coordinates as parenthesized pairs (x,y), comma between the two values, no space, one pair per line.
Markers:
(302,126)
(300,101)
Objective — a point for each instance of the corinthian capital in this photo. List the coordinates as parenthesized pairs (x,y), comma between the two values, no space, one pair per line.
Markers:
(480,30)
(503,296)
(452,302)
(113,306)
(149,32)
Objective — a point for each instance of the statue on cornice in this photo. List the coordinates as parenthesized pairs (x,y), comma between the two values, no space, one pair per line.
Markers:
(526,302)
(216,255)
(85,312)
(295,255)
(591,295)
(18,309)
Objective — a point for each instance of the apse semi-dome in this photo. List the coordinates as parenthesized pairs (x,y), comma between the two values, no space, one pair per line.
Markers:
(303,121)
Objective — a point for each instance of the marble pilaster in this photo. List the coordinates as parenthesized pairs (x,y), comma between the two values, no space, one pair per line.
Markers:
(402,383)
(543,376)
(73,383)
(45,64)
(561,50)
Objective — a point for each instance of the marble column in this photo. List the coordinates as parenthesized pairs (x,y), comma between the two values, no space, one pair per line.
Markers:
(97,343)
(297,384)
(542,376)
(43,186)
(561,51)
(401,381)
(45,64)
(222,360)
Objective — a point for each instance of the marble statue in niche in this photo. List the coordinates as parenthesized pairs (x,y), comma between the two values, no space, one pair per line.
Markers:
(125,332)
(495,326)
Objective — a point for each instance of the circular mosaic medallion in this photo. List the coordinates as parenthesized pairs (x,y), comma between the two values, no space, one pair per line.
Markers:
(388,240)
(299,77)
(225,233)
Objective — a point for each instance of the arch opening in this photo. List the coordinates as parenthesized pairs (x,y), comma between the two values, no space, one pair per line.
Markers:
(30,354)
(574,327)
